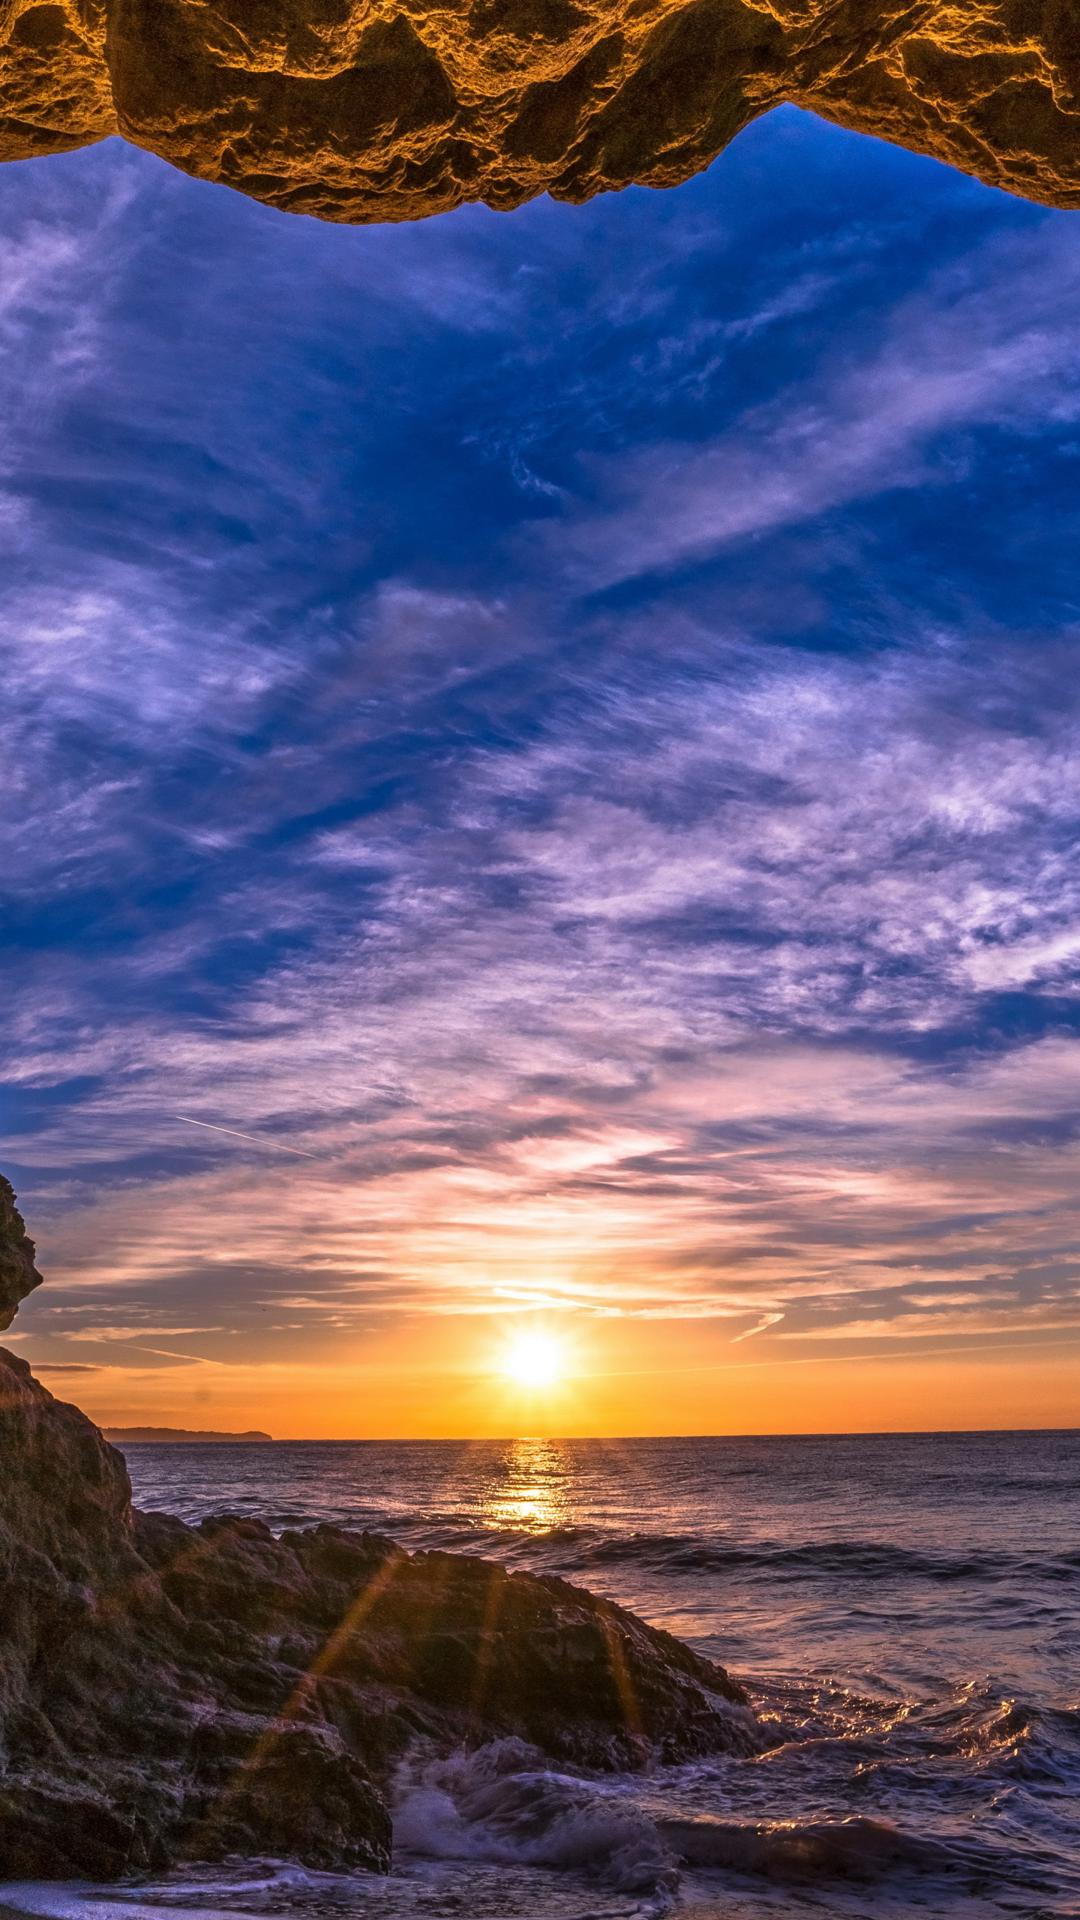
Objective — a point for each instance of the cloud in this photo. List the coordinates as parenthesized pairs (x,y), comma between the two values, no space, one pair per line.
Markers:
(517,932)
(61,1367)
(869,422)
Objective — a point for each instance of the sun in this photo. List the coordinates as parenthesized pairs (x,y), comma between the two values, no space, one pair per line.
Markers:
(533,1359)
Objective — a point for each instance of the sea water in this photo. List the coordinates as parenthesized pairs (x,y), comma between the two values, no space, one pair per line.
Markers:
(903,1610)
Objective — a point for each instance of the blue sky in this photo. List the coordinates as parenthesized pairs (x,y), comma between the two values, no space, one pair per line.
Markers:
(562,727)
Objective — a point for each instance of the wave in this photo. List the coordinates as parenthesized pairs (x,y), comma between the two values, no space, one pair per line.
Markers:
(582,1548)
(501,1806)
(866,1559)
(948,1752)
(576,1549)
(857,1848)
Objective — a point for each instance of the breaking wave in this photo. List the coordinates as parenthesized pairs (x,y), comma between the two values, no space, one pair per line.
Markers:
(503,1804)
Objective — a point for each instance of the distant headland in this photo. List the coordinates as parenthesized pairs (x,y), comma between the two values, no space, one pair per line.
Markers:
(124,1436)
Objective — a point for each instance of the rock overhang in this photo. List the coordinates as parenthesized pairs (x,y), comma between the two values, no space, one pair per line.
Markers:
(376,110)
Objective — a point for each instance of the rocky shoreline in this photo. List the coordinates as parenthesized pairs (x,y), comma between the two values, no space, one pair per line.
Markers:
(176,1693)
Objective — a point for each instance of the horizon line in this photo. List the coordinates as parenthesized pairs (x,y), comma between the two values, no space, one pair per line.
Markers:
(620,1439)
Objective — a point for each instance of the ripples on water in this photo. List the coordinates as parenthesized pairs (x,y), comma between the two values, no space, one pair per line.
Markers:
(905,1612)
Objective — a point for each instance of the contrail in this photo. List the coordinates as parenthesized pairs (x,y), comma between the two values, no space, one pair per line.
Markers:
(166,1353)
(759,1326)
(253,1137)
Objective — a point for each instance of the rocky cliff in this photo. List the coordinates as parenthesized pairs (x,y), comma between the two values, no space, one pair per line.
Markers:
(18,1274)
(392,109)
(171,1692)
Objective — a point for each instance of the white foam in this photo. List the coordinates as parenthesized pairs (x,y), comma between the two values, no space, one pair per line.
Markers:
(212,1895)
(81,1900)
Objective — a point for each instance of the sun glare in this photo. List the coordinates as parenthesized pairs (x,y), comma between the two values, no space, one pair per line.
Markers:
(533,1359)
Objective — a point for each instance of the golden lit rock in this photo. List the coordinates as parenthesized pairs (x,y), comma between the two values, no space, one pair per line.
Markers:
(54,84)
(363,110)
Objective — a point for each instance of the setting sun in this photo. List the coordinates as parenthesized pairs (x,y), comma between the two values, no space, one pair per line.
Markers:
(533,1359)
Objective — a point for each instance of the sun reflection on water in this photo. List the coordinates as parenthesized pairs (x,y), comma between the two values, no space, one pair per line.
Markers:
(528,1490)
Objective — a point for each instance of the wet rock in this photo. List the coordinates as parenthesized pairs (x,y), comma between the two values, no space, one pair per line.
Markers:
(281,1789)
(374,110)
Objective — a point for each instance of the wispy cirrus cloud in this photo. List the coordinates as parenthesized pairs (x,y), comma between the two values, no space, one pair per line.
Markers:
(869,421)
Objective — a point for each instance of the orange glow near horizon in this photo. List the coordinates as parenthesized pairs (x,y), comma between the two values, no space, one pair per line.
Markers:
(742,1291)
(459,1378)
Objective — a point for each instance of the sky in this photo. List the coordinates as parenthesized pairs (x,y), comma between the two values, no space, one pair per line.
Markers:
(541,758)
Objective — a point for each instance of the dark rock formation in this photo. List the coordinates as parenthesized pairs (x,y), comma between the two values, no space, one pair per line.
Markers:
(171,1692)
(18,1274)
(391,109)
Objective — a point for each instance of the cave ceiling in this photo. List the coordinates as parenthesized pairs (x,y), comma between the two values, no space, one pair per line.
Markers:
(372,110)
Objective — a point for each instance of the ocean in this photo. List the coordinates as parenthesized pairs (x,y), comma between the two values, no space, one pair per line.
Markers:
(904,1611)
